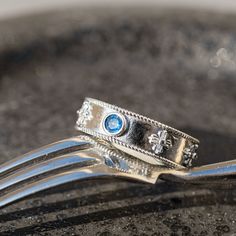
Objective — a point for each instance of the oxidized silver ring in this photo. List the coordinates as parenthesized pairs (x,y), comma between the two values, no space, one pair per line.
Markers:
(137,135)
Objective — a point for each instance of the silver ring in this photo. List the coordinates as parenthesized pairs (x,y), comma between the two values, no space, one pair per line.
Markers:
(137,135)
(85,157)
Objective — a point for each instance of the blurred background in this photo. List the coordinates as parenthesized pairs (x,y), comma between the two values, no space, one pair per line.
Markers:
(170,60)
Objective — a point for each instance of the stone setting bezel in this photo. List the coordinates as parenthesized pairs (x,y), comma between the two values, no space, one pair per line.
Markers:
(123,127)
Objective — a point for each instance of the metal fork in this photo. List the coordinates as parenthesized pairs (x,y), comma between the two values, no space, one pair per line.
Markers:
(83,157)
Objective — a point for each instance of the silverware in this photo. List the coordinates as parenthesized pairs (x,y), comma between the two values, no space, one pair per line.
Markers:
(82,157)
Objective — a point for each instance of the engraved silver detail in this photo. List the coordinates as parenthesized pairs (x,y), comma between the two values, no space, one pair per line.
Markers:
(127,142)
(143,119)
(190,154)
(85,114)
(160,141)
(112,139)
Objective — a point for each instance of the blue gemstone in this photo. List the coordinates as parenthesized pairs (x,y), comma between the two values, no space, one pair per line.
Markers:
(113,124)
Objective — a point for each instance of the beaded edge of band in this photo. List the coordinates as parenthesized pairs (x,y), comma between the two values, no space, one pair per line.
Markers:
(136,166)
(144,119)
(164,160)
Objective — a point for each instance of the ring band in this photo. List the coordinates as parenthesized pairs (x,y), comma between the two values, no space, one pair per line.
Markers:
(137,135)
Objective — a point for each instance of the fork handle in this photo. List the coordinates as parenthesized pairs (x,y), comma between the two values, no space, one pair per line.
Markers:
(207,173)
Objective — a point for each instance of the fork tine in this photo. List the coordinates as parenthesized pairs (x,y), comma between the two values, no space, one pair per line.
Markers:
(58,163)
(68,160)
(95,170)
(46,152)
(45,168)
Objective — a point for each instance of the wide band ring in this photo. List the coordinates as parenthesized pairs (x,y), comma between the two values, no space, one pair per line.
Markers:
(137,135)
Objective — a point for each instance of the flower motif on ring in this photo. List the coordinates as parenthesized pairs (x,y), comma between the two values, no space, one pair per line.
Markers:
(190,154)
(85,113)
(160,141)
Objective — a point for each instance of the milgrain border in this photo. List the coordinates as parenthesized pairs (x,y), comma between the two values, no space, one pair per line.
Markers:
(144,119)
(138,164)
(111,139)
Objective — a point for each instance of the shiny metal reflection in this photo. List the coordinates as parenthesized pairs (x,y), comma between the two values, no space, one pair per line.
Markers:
(81,158)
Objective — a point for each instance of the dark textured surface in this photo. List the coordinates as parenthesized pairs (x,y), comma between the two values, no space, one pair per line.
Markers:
(177,67)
